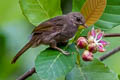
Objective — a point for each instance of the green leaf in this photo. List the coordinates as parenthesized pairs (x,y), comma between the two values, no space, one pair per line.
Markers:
(119,77)
(110,17)
(112,61)
(66,6)
(37,11)
(52,65)
(94,70)
(77,5)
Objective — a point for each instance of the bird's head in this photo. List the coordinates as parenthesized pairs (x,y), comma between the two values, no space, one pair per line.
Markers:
(77,18)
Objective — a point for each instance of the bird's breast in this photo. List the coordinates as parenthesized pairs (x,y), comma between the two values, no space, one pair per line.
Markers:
(70,31)
(67,33)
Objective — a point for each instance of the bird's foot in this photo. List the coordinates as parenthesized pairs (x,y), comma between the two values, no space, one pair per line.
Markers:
(61,50)
(65,53)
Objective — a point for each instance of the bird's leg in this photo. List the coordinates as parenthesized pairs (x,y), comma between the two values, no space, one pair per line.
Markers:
(62,43)
(59,49)
(53,45)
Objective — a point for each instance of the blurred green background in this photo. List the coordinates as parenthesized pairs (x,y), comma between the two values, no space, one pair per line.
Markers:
(15,31)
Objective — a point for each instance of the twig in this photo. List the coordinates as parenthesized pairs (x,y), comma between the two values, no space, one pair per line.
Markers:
(112,35)
(27,74)
(109,53)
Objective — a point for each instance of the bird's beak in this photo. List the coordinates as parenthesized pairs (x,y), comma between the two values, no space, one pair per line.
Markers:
(85,25)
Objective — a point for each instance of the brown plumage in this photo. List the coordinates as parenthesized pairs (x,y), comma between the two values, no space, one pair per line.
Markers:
(53,31)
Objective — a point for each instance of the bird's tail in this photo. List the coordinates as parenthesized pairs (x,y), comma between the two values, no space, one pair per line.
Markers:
(26,47)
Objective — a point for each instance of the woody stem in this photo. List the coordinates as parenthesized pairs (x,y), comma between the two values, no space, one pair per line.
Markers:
(102,58)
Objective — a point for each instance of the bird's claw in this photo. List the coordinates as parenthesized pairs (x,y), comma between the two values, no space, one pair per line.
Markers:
(66,53)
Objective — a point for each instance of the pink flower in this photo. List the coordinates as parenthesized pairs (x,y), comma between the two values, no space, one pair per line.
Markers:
(87,56)
(95,36)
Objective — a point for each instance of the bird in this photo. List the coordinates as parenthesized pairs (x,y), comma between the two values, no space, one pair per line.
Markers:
(52,31)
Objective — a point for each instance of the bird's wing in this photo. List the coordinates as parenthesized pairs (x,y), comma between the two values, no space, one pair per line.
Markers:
(49,24)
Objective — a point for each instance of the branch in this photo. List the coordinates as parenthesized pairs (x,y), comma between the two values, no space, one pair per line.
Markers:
(112,35)
(110,53)
(27,74)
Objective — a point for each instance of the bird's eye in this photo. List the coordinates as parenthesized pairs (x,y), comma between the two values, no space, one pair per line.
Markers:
(78,19)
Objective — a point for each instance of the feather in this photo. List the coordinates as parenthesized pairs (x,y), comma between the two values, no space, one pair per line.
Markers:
(25,48)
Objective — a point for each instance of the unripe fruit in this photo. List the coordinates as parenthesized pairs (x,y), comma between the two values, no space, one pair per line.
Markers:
(87,56)
(82,42)
(92,47)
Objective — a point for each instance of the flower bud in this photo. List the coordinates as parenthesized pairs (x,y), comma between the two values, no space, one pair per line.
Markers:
(82,42)
(90,39)
(92,47)
(87,56)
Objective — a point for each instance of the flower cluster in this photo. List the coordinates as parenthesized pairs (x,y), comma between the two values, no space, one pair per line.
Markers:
(92,44)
